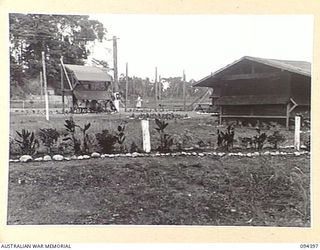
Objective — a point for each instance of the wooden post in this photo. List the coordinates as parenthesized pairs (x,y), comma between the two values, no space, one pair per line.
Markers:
(297,132)
(220,115)
(184,90)
(145,136)
(41,85)
(297,121)
(62,86)
(156,88)
(126,104)
(288,115)
(45,85)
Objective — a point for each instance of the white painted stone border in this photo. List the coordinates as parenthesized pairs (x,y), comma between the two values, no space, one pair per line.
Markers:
(183,153)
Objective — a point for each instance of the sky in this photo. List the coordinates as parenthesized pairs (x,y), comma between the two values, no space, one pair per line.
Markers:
(201,44)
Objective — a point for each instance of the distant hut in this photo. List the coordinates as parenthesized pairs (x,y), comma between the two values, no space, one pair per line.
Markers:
(254,88)
(89,87)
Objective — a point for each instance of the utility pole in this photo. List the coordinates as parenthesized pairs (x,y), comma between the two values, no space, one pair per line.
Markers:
(156,88)
(184,90)
(115,73)
(126,103)
(62,85)
(45,85)
(160,87)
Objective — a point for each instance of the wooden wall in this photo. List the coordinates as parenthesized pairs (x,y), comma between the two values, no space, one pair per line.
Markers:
(255,110)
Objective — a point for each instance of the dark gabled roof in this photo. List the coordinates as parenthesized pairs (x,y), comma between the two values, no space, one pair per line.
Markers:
(298,67)
(251,100)
(89,73)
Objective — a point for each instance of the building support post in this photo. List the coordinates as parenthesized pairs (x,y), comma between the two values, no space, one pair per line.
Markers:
(220,115)
(288,115)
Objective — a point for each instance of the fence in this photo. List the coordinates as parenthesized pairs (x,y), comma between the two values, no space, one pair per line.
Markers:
(39,103)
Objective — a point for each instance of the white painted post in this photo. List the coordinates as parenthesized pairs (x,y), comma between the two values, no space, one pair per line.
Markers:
(297,132)
(145,136)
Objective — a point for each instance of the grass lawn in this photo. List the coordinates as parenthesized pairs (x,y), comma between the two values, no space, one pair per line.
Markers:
(259,191)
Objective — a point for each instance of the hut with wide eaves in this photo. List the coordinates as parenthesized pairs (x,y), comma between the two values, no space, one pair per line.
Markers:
(254,88)
(88,86)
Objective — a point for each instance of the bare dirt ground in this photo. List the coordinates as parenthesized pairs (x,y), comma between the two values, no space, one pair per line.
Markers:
(259,191)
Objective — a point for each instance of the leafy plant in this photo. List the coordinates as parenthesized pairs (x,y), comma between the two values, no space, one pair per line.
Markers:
(259,139)
(106,141)
(166,141)
(134,147)
(121,137)
(275,138)
(225,139)
(85,146)
(307,143)
(71,129)
(27,142)
(48,136)
(246,141)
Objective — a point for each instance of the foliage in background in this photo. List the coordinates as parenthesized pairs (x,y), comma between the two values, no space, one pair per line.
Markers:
(27,142)
(48,136)
(166,141)
(56,35)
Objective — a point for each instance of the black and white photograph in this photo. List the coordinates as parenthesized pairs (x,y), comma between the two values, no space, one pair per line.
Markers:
(160,120)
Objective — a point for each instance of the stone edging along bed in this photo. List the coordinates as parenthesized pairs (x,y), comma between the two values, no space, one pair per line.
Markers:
(28,158)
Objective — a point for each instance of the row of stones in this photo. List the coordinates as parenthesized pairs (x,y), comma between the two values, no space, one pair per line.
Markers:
(28,158)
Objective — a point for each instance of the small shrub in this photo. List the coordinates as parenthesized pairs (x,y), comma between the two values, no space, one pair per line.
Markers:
(166,141)
(13,150)
(27,142)
(48,136)
(259,139)
(134,147)
(85,144)
(106,141)
(246,142)
(225,139)
(71,130)
(121,137)
(307,143)
(276,138)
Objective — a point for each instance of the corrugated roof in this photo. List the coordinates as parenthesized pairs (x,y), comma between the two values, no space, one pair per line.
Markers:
(89,73)
(91,95)
(298,67)
(251,100)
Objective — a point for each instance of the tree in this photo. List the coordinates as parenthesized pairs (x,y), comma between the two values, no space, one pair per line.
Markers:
(57,35)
